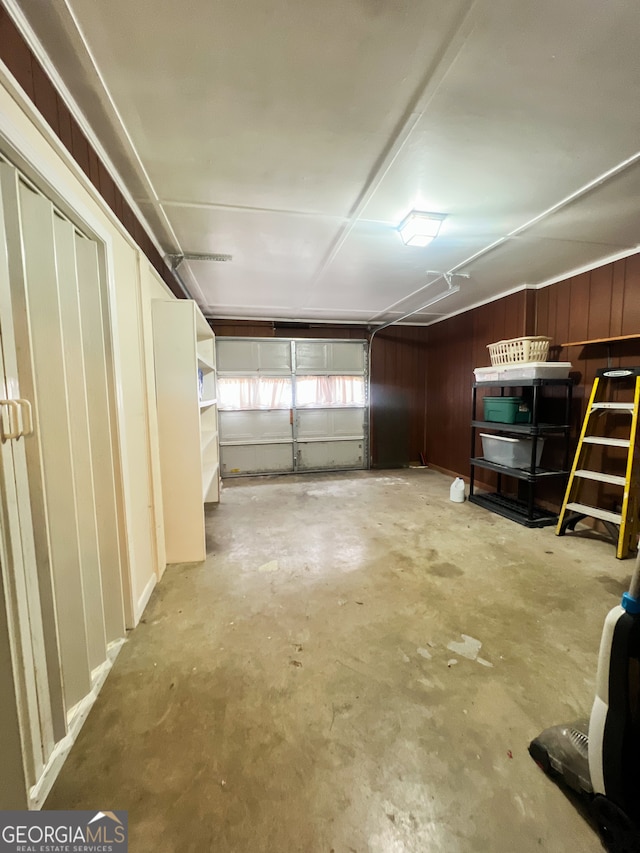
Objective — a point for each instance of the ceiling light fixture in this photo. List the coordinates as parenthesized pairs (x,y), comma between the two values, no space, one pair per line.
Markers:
(419,228)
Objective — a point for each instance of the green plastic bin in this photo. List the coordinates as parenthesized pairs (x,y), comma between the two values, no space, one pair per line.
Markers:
(506,410)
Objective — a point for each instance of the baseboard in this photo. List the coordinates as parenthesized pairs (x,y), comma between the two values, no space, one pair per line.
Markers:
(77,717)
(446,471)
(144,599)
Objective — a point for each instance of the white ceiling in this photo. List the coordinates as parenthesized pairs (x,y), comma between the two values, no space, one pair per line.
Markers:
(296,135)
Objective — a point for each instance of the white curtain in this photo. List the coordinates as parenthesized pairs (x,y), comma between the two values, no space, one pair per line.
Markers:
(274,392)
(254,392)
(329,391)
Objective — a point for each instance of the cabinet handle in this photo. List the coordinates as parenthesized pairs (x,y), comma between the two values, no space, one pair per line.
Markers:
(27,416)
(14,420)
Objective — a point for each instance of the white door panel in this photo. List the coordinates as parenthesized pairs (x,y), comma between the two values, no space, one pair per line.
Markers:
(255,426)
(253,356)
(330,455)
(27,462)
(52,413)
(323,423)
(256,459)
(101,429)
(64,236)
(330,357)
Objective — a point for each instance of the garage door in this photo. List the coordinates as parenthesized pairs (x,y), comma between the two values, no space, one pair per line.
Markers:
(289,405)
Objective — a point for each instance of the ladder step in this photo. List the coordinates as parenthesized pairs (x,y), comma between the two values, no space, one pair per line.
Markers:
(622,407)
(607,442)
(595,512)
(600,477)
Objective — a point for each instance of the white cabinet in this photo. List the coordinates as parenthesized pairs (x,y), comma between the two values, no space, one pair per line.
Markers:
(61,598)
(184,355)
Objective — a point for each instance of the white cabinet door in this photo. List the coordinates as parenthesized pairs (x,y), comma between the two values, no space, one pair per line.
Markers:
(46,363)
(59,543)
(33,647)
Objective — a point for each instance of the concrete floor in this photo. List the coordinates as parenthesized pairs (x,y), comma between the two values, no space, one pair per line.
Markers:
(299,691)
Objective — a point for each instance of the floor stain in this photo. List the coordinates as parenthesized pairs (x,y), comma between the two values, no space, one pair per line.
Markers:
(445,570)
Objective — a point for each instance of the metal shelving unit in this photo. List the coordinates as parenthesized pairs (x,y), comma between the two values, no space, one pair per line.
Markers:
(522,509)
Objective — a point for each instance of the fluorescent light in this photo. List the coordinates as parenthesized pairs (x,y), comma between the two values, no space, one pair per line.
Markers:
(419,228)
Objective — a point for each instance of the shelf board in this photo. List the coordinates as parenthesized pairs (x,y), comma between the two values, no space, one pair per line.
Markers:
(601,341)
(208,476)
(521,383)
(514,509)
(525,429)
(206,438)
(204,332)
(205,404)
(205,366)
(518,473)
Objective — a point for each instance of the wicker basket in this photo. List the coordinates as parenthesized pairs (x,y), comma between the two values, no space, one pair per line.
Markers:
(518,350)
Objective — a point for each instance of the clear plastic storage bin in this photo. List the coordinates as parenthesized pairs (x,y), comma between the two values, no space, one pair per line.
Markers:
(511,452)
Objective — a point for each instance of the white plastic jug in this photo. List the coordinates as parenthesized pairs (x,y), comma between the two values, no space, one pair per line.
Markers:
(456,492)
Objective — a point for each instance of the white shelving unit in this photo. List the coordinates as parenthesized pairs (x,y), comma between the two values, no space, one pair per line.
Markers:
(208,404)
(185,366)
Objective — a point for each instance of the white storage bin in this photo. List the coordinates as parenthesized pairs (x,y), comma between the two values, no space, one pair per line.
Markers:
(537,370)
(512,452)
(532,370)
(486,374)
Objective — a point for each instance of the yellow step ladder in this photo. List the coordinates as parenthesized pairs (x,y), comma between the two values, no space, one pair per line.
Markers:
(622,525)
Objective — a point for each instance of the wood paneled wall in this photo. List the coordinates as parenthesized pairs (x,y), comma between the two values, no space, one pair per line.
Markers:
(602,303)
(242,328)
(398,380)
(454,348)
(598,304)
(398,358)
(30,75)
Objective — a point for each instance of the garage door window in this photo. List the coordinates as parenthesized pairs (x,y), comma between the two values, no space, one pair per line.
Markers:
(322,391)
(292,405)
(254,392)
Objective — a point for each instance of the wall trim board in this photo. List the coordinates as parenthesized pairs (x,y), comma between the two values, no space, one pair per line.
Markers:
(144,598)
(77,139)
(479,304)
(39,793)
(603,262)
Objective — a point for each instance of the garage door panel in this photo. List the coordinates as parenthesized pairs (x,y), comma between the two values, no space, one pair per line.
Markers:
(255,426)
(292,405)
(330,455)
(327,423)
(256,459)
(330,357)
(246,356)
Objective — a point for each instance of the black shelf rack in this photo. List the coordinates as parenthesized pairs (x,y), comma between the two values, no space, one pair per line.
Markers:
(522,509)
